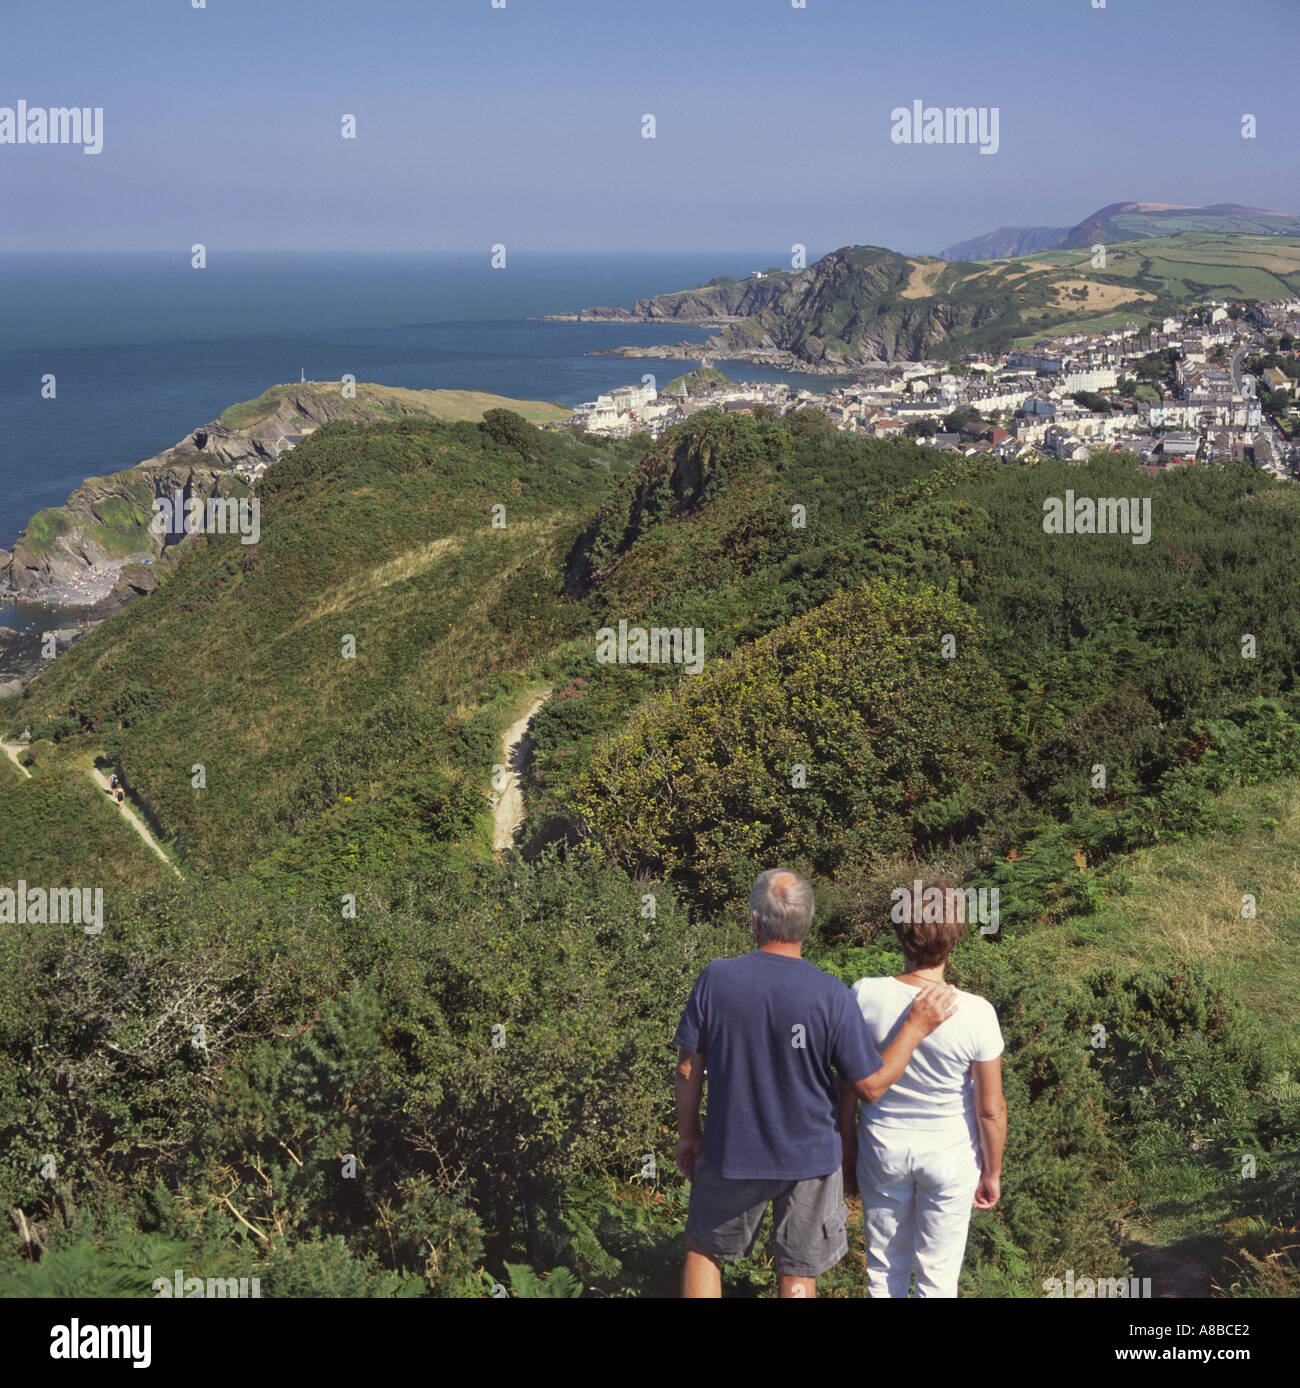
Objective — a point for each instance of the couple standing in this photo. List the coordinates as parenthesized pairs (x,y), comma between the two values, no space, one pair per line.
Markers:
(790,1052)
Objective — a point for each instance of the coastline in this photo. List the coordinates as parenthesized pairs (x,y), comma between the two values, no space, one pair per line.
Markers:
(71,585)
(22,657)
(87,589)
(775,358)
(66,610)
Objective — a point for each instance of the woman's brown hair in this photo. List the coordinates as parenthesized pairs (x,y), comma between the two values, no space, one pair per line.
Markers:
(933,926)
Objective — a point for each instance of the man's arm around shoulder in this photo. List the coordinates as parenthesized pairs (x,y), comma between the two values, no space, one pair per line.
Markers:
(930,1009)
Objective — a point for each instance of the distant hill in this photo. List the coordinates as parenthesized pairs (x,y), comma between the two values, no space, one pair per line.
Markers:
(1005,241)
(863,305)
(1131,221)
(1127,221)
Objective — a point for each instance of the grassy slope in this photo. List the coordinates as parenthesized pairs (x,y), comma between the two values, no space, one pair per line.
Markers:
(471,404)
(1254,266)
(737,567)
(1168,223)
(437,404)
(120,523)
(1176,270)
(1021,298)
(1183,901)
(404,561)
(60,828)
(246,658)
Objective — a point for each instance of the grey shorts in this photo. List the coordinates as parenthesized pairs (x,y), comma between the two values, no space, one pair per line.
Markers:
(725,1217)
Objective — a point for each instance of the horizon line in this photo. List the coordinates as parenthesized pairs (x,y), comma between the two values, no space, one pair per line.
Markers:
(351,250)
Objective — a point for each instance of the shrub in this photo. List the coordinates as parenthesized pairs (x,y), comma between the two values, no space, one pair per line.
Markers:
(893,740)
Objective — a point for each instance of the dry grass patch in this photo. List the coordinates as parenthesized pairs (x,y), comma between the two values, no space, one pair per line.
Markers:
(921,283)
(472,404)
(1100,296)
(409,564)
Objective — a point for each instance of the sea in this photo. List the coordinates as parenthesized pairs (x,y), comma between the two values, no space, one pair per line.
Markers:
(144,348)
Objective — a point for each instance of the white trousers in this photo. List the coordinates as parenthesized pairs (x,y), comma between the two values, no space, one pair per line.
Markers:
(917,1188)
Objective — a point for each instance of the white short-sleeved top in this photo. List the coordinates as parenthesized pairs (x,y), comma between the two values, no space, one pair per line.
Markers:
(937,1090)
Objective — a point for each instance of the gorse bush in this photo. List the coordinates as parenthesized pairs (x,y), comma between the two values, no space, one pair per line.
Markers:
(833,739)
(512,430)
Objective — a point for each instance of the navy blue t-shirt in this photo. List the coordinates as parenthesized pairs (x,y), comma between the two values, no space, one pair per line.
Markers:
(775,1031)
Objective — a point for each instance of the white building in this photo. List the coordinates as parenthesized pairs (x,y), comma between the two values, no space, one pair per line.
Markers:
(1089,378)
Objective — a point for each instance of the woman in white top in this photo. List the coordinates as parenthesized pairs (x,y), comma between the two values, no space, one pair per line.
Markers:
(930,1149)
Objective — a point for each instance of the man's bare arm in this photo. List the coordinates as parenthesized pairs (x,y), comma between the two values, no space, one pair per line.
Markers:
(847,1114)
(688,1086)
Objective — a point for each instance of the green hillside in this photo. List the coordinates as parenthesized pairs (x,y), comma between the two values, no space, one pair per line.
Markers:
(1132,221)
(58,821)
(1127,221)
(698,382)
(1226,1224)
(902,673)
(108,519)
(377,538)
(864,304)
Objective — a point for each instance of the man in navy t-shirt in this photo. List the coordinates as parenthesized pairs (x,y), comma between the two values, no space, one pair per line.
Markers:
(775,1033)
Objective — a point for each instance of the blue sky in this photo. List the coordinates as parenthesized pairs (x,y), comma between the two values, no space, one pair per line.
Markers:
(522,125)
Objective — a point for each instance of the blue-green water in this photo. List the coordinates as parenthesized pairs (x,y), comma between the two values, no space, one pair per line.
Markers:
(144,348)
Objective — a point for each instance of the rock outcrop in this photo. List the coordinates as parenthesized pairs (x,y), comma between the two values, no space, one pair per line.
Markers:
(104,525)
(852,309)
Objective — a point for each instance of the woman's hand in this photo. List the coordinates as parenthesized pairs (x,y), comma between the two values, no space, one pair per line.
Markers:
(988,1192)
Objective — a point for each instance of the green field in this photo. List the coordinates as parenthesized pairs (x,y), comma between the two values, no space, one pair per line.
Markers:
(1250,267)
(1172,272)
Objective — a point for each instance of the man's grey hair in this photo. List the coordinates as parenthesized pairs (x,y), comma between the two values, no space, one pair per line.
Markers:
(783,903)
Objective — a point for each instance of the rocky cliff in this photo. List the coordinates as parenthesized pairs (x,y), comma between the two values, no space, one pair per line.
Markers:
(722,300)
(858,306)
(101,532)
(102,525)
(861,306)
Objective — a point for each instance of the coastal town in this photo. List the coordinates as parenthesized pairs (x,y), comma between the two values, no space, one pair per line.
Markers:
(1215,385)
